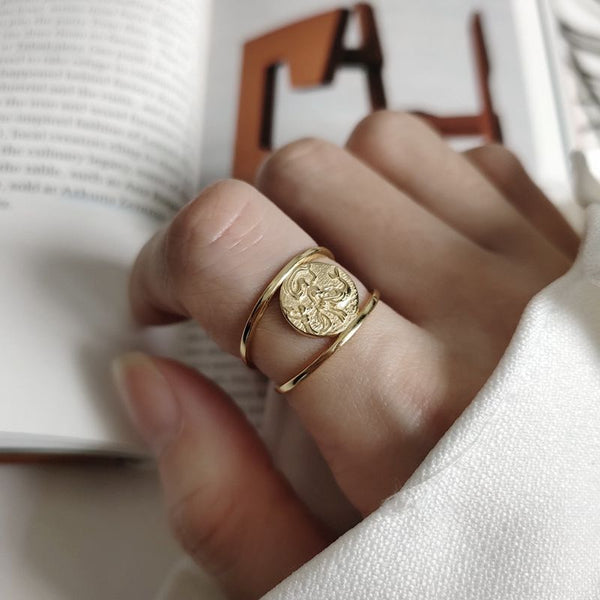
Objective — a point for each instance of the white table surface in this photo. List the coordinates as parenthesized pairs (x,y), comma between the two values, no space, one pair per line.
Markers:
(82,531)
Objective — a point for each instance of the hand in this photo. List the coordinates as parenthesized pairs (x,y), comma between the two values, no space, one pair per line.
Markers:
(456,243)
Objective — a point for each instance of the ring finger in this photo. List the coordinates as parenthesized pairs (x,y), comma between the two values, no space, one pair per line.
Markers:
(212,263)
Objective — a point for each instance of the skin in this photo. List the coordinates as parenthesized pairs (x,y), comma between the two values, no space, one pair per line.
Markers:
(456,243)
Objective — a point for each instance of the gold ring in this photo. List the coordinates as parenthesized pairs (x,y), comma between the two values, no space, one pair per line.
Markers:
(338,343)
(317,299)
(263,301)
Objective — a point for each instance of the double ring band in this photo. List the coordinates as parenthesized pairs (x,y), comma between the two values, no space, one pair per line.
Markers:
(338,343)
(263,302)
(317,299)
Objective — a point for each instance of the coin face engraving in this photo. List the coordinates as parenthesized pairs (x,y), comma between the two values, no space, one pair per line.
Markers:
(319,299)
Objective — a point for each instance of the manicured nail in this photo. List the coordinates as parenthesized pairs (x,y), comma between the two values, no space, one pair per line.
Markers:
(148,397)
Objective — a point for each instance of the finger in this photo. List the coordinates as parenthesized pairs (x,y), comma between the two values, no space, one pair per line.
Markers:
(229,508)
(406,151)
(426,270)
(386,238)
(213,262)
(506,172)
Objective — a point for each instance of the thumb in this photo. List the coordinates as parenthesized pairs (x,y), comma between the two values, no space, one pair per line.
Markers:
(229,508)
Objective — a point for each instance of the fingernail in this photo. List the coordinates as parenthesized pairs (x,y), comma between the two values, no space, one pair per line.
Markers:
(148,397)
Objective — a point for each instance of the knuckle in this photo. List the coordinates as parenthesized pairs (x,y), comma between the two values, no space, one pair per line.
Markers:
(294,161)
(497,158)
(203,523)
(224,218)
(375,130)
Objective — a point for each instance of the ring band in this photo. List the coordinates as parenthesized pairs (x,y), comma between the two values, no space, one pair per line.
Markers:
(341,339)
(317,299)
(263,301)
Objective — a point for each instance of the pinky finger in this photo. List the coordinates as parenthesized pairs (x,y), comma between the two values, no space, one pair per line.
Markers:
(229,508)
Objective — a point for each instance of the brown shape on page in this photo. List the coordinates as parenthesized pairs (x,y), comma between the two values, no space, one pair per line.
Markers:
(485,124)
(313,50)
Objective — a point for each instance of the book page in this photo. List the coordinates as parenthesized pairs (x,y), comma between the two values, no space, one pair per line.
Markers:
(438,78)
(100,122)
(100,103)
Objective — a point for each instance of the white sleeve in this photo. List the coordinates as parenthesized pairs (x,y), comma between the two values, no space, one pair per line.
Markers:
(507,505)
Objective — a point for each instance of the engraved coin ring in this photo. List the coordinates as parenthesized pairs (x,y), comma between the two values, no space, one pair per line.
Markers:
(317,299)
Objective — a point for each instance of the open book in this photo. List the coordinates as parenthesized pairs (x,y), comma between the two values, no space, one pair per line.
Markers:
(114,114)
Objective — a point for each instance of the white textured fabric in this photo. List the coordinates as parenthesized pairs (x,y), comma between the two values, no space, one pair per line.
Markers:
(507,505)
